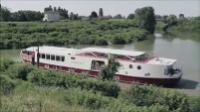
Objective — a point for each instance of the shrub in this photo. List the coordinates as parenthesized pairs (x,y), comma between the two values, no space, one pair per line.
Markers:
(101,41)
(5,63)
(19,71)
(50,78)
(118,40)
(6,85)
(86,98)
(143,95)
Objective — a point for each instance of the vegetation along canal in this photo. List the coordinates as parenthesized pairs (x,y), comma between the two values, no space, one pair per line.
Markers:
(184,50)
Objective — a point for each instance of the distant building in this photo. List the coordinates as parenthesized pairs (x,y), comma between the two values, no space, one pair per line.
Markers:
(51,15)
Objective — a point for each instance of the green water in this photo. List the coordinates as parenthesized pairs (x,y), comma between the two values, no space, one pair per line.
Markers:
(186,51)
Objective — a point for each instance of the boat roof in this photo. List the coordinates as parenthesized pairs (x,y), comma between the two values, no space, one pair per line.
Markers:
(53,50)
(64,50)
(112,51)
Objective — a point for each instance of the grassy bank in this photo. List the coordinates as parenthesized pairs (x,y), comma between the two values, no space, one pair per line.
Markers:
(27,88)
(64,33)
(184,28)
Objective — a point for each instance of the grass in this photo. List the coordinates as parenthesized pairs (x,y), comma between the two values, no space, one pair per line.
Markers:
(43,91)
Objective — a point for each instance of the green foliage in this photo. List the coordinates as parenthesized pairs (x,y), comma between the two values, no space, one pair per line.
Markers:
(27,15)
(50,78)
(131,16)
(108,72)
(6,85)
(93,14)
(54,91)
(146,18)
(194,103)
(19,71)
(97,32)
(5,64)
(142,95)
(5,14)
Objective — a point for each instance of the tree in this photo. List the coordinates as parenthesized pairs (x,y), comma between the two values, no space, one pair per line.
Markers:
(5,14)
(118,16)
(63,13)
(146,18)
(170,21)
(108,72)
(181,16)
(100,12)
(131,16)
(73,16)
(27,15)
(93,14)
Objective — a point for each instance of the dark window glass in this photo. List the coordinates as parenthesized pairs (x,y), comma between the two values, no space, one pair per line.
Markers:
(130,66)
(48,56)
(52,57)
(42,56)
(57,58)
(139,67)
(73,58)
(62,58)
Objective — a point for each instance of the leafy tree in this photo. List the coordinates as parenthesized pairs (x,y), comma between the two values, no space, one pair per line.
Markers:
(27,15)
(131,16)
(170,21)
(73,16)
(5,14)
(146,18)
(100,12)
(108,72)
(93,14)
(63,13)
(118,16)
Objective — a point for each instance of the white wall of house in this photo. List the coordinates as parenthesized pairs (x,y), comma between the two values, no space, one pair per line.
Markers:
(51,16)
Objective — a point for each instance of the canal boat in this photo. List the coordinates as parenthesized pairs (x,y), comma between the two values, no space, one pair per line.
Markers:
(135,66)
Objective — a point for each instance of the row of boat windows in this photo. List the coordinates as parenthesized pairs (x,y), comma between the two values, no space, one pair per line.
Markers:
(52,57)
(138,67)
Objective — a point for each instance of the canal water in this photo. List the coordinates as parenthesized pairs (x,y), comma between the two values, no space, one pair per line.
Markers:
(186,51)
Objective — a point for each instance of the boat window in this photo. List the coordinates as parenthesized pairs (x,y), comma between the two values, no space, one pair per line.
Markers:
(52,57)
(130,66)
(96,65)
(57,58)
(62,58)
(139,67)
(42,56)
(48,56)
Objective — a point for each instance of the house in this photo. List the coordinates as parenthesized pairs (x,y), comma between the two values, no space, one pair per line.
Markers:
(51,15)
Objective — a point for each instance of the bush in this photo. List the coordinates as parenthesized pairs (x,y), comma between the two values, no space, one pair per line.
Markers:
(6,85)
(86,98)
(118,40)
(5,64)
(25,34)
(50,78)
(19,71)
(142,95)
(101,41)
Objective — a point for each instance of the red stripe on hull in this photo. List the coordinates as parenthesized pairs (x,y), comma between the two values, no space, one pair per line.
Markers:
(119,77)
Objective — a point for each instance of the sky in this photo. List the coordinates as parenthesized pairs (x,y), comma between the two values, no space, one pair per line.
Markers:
(189,8)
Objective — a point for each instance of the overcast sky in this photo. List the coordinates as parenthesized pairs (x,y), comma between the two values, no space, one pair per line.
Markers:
(110,7)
